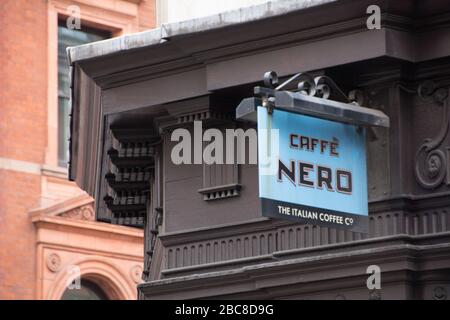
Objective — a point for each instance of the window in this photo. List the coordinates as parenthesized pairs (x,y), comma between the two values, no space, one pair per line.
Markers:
(68,38)
(87,291)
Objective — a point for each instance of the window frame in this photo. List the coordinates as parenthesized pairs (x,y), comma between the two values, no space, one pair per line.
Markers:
(64,97)
(114,16)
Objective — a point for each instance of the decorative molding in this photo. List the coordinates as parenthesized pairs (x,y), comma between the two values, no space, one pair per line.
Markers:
(273,238)
(204,115)
(279,276)
(80,227)
(107,273)
(53,262)
(136,273)
(220,181)
(220,191)
(58,209)
(432,158)
(320,86)
(165,124)
(440,293)
(209,55)
(204,109)
(410,203)
(82,213)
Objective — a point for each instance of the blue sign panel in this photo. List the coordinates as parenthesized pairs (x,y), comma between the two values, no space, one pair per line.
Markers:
(312,170)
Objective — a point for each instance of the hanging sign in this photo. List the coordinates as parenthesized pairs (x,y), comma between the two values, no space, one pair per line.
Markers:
(312,170)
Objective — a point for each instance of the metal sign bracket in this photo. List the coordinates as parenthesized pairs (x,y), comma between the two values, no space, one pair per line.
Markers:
(318,97)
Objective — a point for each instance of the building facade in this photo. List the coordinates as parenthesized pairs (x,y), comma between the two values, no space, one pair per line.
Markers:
(204,233)
(48,236)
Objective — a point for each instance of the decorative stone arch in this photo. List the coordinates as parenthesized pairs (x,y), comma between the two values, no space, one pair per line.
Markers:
(115,283)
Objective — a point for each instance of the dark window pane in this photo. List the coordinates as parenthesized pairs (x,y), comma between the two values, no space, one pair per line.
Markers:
(87,291)
(69,38)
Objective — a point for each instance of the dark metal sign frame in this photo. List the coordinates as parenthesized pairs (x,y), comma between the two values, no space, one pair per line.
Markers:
(312,97)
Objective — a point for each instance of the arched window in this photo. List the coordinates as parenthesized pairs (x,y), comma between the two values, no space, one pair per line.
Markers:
(87,291)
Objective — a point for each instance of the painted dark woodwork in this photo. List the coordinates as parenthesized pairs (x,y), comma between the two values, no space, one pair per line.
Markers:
(199,241)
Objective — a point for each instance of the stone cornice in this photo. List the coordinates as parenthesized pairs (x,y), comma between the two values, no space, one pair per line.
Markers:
(53,218)
(408,203)
(82,225)
(173,48)
(62,207)
(316,267)
(198,25)
(220,231)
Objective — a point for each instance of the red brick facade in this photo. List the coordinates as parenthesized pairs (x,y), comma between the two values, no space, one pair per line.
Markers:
(28,180)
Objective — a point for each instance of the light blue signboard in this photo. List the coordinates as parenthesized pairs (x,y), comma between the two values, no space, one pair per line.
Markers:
(312,170)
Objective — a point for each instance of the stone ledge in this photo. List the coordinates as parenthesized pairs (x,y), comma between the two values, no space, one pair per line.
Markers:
(396,261)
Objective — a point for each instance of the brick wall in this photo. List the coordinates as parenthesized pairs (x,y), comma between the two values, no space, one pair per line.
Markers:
(23,114)
(23,100)
(147,14)
(24,134)
(19,193)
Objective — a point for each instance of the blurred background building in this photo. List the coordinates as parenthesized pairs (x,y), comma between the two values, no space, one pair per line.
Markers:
(48,236)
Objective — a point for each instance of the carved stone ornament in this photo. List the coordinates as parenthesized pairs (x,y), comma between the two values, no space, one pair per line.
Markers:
(136,273)
(440,293)
(82,213)
(53,262)
(432,158)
